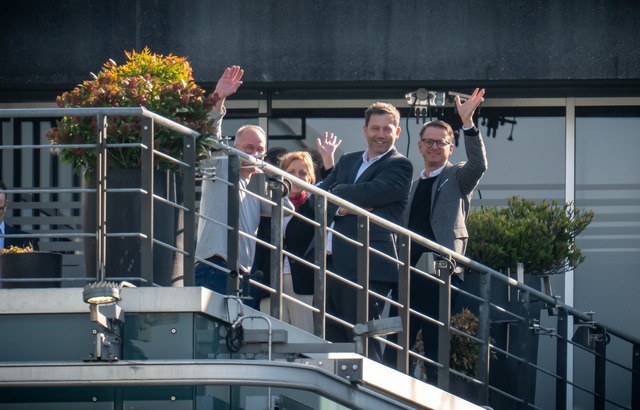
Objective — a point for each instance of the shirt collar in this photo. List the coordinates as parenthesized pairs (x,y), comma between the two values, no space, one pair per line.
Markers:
(365,156)
(423,174)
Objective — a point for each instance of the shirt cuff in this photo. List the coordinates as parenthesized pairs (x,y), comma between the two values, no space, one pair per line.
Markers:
(471,132)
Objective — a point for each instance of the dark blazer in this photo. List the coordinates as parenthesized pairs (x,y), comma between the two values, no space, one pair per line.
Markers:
(20,242)
(384,187)
(451,194)
(298,239)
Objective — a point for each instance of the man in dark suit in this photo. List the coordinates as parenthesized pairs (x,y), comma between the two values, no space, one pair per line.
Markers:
(377,179)
(438,208)
(6,229)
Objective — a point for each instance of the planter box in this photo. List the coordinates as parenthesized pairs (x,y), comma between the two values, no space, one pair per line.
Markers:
(34,265)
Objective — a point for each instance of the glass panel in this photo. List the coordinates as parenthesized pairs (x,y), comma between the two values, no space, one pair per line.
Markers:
(608,182)
(151,336)
(164,397)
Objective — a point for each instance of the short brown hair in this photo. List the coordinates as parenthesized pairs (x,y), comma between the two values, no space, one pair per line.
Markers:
(438,124)
(380,108)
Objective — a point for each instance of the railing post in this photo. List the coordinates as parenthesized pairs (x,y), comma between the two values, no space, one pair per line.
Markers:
(275,267)
(524,332)
(404,286)
(362,298)
(444,271)
(320,258)
(484,333)
(146,201)
(101,198)
(189,215)
(561,359)
(233,220)
(599,383)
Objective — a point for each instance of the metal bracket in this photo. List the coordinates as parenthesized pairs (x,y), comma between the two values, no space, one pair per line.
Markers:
(537,329)
(350,369)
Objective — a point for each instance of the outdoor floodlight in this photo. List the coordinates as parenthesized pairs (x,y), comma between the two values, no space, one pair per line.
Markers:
(103,298)
(100,293)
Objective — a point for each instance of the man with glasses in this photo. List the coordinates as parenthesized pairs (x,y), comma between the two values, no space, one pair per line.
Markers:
(211,244)
(6,229)
(438,206)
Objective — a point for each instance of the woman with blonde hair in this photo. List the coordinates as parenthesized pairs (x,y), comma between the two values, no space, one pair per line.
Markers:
(297,277)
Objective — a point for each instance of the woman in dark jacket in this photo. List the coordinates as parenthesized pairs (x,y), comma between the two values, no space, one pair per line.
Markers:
(297,278)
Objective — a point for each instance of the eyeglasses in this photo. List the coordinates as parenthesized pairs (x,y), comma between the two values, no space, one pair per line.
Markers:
(253,150)
(439,143)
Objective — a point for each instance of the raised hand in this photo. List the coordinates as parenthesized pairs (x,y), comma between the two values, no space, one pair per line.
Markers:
(466,109)
(230,81)
(327,147)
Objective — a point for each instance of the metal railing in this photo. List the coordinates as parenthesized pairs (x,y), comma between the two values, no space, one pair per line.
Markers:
(528,299)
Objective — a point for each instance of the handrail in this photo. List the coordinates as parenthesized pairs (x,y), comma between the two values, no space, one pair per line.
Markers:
(526,292)
(270,169)
(563,334)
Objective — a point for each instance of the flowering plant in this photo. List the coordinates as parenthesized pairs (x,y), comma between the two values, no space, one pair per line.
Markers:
(161,84)
(17,249)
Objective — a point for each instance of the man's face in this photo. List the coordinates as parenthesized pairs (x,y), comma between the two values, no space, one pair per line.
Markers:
(435,156)
(381,134)
(251,142)
(3,205)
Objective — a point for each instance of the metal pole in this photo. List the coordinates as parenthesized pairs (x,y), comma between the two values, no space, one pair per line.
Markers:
(404,286)
(444,272)
(599,383)
(362,298)
(101,198)
(233,213)
(146,201)
(561,359)
(275,266)
(484,333)
(320,259)
(189,215)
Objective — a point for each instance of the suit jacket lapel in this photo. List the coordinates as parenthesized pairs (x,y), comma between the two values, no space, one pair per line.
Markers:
(354,169)
(438,183)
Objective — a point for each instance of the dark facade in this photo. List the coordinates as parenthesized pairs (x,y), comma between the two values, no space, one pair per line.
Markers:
(518,48)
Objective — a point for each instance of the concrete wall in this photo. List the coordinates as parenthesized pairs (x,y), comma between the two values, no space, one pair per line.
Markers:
(53,44)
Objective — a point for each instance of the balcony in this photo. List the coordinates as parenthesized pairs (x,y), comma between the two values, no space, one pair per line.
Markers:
(169,345)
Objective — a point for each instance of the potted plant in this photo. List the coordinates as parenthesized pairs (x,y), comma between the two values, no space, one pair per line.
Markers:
(27,263)
(165,86)
(541,236)
(463,354)
(162,84)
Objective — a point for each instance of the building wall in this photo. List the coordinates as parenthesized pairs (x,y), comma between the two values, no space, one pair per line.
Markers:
(357,43)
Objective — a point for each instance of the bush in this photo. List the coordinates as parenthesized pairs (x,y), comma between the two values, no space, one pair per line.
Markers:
(540,235)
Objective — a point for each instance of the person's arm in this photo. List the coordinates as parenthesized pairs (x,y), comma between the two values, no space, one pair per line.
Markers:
(476,165)
(226,86)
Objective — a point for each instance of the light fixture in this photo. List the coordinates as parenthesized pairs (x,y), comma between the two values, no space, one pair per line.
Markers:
(103,298)
(100,293)
(425,97)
